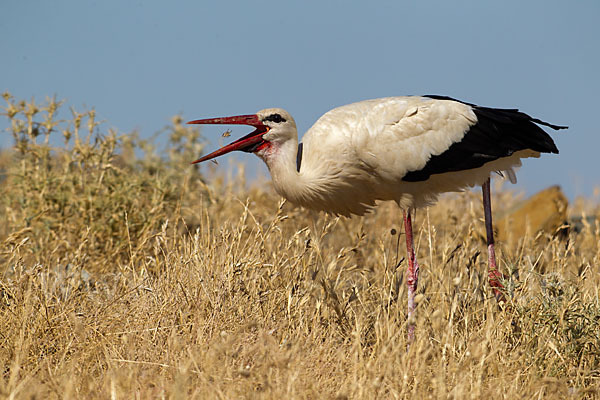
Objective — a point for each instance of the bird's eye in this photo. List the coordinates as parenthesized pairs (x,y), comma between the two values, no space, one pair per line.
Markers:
(275,118)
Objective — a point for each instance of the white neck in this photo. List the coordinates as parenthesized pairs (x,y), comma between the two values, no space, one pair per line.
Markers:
(281,160)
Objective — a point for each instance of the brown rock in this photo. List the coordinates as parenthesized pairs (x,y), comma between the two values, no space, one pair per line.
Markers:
(546,211)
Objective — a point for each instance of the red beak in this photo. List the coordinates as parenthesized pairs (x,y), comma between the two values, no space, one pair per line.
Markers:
(248,143)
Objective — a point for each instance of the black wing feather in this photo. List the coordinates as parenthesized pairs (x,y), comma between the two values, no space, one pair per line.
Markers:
(499,132)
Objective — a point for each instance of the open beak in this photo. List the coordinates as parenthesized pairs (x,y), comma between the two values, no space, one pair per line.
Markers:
(248,143)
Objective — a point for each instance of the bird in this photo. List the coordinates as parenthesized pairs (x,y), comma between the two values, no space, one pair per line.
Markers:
(407,149)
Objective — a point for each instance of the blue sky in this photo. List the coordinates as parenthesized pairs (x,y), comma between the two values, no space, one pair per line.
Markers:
(139,63)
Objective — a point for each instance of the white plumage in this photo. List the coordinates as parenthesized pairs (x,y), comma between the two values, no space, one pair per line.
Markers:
(358,154)
(405,149)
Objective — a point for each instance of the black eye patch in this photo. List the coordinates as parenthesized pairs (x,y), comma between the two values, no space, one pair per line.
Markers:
(274,118)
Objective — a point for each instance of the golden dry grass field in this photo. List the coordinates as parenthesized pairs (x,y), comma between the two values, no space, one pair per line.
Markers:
(125,273)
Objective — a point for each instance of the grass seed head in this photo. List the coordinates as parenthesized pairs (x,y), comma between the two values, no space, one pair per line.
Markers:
(128,273)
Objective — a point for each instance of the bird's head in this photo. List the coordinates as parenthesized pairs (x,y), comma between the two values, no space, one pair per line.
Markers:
(273,127)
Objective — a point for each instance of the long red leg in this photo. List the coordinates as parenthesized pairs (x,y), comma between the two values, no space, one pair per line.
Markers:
(412,275)
(494,275)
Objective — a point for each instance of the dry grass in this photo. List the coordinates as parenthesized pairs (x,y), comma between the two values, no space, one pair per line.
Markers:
(125,275)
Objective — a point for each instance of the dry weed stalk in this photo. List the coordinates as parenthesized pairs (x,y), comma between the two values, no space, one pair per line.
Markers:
(119,281)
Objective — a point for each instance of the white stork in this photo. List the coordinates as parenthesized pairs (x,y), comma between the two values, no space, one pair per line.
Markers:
(406,149)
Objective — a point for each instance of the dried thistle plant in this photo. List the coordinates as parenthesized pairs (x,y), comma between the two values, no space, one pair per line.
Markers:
(91,196)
